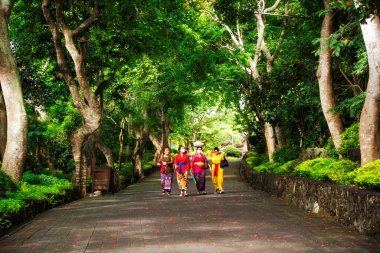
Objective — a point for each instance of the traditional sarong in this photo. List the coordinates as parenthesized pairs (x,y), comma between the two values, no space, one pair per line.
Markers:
(217,171)
(182,181)
(217,177)
(200,180)
(166,182)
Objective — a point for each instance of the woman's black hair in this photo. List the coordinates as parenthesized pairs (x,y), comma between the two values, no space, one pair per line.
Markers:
(216,148)
(179,148)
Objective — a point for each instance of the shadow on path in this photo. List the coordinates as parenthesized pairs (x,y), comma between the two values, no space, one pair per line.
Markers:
(140,219)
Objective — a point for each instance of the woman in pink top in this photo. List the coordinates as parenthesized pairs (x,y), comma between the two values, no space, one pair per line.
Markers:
(199,165)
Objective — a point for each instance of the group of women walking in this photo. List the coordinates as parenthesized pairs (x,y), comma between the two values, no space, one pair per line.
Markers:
(196,166)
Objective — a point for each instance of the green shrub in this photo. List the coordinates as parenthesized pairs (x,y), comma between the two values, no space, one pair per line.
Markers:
(45,180)
(7,208)
(33,188)
(124,170)
(307,168)
(368,175)
(286,154)
(38,192)
(330,148)
(284,169)
(31,178)
(349,139)
(336,172)
(266,167)
(256,160)
(232,151)
(6,184)
(252,152)
(147,165)
(340,172)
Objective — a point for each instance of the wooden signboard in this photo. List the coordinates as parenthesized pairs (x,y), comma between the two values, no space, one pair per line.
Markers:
(101,180)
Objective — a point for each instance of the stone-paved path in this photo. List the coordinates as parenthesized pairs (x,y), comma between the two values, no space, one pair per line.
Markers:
(140,219)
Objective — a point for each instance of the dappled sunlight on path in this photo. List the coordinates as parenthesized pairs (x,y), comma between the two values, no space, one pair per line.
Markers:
(140,219)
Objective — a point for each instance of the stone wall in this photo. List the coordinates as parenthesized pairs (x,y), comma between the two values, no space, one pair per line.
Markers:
(347,204)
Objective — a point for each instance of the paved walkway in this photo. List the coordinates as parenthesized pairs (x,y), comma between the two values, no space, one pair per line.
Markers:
(140,219)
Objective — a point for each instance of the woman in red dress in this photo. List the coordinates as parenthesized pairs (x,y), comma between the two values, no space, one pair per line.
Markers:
(182,167)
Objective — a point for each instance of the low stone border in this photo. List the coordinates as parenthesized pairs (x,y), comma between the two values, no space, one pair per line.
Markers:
(347,204)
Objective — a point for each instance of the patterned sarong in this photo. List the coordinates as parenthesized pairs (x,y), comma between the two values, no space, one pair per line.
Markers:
(182,181)
(200,179)
(166,182)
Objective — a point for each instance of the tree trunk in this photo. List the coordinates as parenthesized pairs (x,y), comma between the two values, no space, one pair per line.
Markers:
(270,140)
(138,153)
(77,140)
(107,152)
(369,129)
(324,76)
(162,141)
(3,126)
(280,137)
(157,144)
(246,142)
(16,145)
(121,140)
(84,98)
(89,156)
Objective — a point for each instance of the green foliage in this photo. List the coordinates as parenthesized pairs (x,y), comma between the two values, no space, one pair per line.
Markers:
(369,175)
(286,154)
(252,152)
(232,151)
(351,106)
(330,148)
(310,168)
(254,161)
(7,208)
(344,172)
(148,165)
(45,180)
(284,169)
(6,184)
(340,172)
(267,167)
(124,171)
(349,139)
(31,178)
(33,188)
(336,172)
(327,169)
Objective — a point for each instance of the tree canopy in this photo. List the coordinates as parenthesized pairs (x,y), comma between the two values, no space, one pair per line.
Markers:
(165,73)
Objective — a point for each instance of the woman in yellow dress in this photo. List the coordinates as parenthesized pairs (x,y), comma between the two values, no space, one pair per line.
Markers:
(217,171)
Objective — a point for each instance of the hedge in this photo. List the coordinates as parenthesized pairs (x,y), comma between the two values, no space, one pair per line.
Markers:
(344,172)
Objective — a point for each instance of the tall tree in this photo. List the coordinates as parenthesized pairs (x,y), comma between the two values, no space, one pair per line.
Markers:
(15,149)
(369,130)
(253,58)
(325,80)
(84,98)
